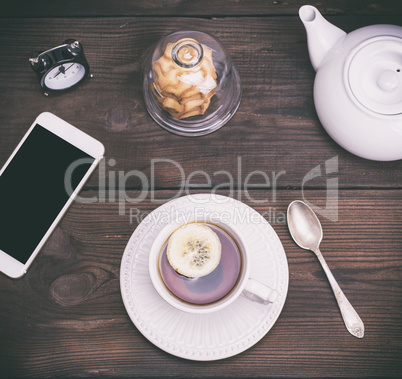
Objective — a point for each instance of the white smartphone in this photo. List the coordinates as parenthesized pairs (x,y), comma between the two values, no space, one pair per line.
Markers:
(37,184)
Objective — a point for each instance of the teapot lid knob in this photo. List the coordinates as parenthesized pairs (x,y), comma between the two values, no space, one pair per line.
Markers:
(388,80)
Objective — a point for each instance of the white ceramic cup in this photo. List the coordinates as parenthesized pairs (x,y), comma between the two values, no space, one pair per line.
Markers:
(245,286)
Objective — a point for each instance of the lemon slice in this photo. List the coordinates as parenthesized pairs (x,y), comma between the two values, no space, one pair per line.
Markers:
(194,250)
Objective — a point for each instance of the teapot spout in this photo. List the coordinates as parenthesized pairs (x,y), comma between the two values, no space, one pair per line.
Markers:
(321,35)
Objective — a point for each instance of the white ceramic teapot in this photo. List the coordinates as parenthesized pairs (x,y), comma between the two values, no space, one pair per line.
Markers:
(358,85)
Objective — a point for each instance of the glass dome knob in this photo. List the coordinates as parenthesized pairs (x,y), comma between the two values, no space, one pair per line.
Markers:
(187,53)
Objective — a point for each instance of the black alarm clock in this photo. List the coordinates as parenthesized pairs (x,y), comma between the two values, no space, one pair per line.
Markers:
(61,67)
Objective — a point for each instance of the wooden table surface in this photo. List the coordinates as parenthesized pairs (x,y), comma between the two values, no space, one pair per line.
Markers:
(66,316)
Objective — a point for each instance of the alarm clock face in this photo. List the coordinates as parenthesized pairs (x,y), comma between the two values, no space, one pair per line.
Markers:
(64,76)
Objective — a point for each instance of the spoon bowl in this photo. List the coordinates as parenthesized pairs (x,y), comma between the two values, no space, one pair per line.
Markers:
(304,226)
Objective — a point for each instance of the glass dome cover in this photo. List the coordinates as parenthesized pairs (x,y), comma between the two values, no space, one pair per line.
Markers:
(191,87)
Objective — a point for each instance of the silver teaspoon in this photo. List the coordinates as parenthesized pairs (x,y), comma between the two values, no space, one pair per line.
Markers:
(306,231)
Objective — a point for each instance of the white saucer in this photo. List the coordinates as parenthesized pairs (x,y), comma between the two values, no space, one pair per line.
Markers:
(216,335)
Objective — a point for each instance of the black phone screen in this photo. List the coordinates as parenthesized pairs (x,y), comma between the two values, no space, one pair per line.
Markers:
(33,190)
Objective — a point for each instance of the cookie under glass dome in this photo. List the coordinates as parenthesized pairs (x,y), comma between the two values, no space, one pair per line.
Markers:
(191,86)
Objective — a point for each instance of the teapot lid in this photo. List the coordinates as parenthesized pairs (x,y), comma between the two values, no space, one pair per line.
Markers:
(374,75)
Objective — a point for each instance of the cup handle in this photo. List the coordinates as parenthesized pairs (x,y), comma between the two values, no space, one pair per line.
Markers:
(259,292)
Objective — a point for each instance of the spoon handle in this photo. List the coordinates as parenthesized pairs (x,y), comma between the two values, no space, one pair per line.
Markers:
(353,322)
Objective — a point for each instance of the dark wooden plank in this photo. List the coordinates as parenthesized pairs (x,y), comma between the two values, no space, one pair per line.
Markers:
(66,316)
(275,129)
(207,8)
